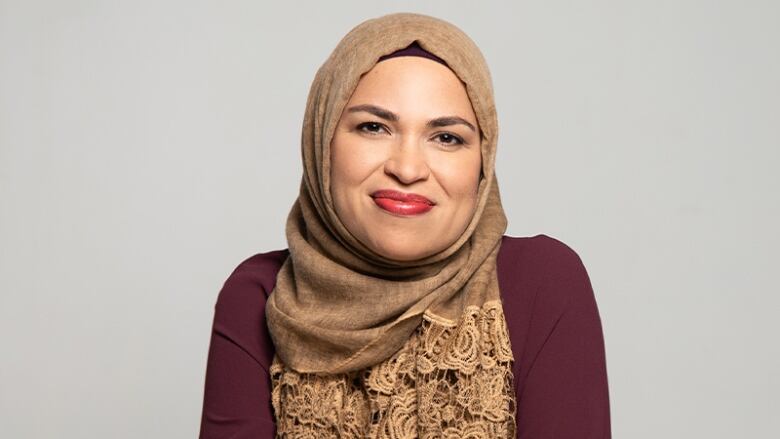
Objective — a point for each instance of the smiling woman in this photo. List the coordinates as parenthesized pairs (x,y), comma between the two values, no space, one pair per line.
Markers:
(400,308)
(405,159)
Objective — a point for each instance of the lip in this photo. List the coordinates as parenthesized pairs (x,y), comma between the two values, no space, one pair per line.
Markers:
(401,203)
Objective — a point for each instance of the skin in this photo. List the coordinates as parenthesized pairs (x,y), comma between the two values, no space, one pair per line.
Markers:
(371,152)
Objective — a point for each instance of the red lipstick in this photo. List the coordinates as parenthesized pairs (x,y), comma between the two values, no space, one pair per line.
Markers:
(402,203)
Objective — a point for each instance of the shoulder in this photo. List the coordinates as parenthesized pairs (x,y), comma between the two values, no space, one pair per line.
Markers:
(542,254)
(239,313)
(544,266)
(254,274)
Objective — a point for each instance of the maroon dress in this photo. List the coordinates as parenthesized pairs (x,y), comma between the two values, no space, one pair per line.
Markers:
(554,329)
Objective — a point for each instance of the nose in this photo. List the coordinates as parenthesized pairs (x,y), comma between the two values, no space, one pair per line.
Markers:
(407,162)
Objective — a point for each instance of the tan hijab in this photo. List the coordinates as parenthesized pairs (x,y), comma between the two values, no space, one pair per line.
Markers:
(371,347)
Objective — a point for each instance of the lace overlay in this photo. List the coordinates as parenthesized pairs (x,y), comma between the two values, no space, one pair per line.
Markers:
(449,380)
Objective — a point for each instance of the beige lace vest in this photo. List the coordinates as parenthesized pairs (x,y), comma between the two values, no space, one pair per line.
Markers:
(450,380)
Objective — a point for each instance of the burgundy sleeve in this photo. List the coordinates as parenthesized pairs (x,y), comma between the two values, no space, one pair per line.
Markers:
(237,397)
(564,392)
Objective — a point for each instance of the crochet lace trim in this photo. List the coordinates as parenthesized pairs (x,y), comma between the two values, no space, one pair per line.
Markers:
(449,380)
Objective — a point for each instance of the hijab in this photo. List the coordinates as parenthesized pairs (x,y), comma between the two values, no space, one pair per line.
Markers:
(367,346)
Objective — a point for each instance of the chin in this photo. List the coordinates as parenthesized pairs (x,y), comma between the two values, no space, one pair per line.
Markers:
(401,249)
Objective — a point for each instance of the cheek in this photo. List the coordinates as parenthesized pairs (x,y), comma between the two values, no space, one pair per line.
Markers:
(460,177)
(352,162)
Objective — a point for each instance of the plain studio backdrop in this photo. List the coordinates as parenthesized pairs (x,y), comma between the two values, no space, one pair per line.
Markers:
(148,147)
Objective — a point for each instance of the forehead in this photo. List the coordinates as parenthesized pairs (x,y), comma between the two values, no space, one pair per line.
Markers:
(415,85)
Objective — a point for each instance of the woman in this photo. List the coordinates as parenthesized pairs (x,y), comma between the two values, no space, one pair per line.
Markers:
(400,308)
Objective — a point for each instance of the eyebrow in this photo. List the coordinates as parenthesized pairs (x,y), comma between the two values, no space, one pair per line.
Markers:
(389,115)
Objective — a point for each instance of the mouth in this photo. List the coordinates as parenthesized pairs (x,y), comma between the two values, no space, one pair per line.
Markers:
(401,203)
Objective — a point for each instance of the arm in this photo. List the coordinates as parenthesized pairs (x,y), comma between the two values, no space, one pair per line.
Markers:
(564,393)
(237,396)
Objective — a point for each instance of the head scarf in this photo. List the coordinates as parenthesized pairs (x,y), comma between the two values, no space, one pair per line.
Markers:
(367,346)
(413,49)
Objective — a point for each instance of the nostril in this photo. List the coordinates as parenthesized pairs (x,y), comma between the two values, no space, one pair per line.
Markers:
(407,171)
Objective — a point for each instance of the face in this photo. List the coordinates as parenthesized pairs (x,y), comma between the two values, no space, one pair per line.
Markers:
(406,160)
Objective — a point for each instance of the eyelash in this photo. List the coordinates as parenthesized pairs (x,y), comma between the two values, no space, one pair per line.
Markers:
(457,140)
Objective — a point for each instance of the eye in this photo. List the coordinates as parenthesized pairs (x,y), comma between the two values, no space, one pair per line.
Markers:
(449,139)
(371,128)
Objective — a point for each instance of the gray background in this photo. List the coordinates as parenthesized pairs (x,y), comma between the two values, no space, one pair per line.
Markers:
(146,148)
